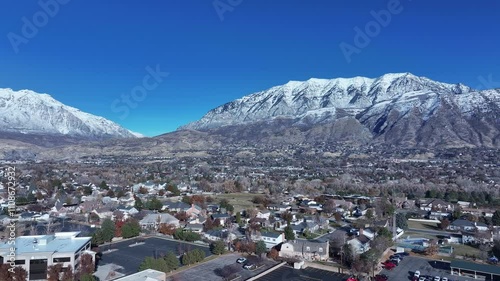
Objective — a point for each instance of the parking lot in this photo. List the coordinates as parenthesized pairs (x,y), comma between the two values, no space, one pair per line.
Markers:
(287,273)
(406,269)
(130,258)
(207,271)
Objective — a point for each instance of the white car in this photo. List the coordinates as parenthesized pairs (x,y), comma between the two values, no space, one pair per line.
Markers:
(248,266)
(437,278)
(241,260)
(422,278)
(417,273)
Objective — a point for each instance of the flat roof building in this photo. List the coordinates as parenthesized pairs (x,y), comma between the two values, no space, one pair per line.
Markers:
(37,252)
(491,272)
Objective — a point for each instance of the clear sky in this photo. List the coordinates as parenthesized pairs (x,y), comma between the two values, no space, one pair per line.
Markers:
(88,53)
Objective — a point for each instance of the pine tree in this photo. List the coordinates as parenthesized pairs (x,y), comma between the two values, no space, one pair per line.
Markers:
(172,261)
(289,234)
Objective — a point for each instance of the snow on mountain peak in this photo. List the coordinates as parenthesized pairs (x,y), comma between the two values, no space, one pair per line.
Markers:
(26,111)
(296,99)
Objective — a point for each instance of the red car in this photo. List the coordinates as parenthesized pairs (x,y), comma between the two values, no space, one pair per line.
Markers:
(389,265)
(381,277)
(352,279)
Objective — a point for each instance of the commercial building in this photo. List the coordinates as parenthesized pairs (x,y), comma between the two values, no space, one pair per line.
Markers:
(36,253)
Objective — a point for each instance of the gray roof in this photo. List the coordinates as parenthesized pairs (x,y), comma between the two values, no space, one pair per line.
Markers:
(461,222)
(270,234)
(483,268)
(314,245)
(176,205)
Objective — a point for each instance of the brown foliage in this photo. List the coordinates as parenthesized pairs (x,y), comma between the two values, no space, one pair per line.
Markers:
(167,229)
(273,254)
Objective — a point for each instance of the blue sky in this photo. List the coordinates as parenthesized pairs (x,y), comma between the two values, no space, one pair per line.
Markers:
(88,54)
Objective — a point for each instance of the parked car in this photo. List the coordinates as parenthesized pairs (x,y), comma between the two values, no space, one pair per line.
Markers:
(437,278)
(381,277)
(248,266)
(422,278)
(395,261)
(241,260)
(444,279)
(417,273)
(389,265)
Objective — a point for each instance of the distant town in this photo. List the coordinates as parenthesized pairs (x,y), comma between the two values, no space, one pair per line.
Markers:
(350,214)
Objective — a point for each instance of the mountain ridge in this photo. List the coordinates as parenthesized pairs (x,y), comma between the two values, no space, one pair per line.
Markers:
(30,113)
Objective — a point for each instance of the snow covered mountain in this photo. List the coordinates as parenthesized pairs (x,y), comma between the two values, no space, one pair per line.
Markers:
(398,108)
(28,112)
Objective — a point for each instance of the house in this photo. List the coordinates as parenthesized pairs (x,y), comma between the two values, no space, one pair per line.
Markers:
(278,207)
(436,205)
(263,214)
(222,218)
(271,239)
(302,226)
(152,221)
(194,211)
(468,226)
(219,234)
(127,211)
(438,215)
(360,244)
(309,250)
(175,206)
(194,227)
(103,213)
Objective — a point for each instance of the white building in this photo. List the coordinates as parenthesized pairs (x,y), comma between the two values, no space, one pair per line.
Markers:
(36,253)
(271,239)
(145,275)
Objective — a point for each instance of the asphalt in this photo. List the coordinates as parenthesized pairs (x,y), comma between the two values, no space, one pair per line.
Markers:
(207,271)
(287,273)
(130,258)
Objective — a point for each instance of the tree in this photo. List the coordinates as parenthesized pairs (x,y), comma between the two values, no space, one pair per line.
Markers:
(54,272)
(138,204)
(384,232)
(154,204)
(182,216)
(432,249)
(238,218)
(167,229)
(273,254)
(172,261)
(110,193)
(369,214)
(131,229)
(224,203)
(401,221)
(495,220)
(289,234)
(87,265)
(68,274)
(287,216)
(87,277)
(260,248)
(156,264)
(218,247)
(174,190)
(193,257)
(496,248)
(209,224)
(444,224)
(108,230)
(104,185)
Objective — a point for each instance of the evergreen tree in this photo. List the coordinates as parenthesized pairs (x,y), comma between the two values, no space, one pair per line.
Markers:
(260,248)
(218,247)
(495,220)
(289,234)
(108,230)
(172,261)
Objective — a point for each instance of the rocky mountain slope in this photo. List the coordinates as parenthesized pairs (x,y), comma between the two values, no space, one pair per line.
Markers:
(29,113)
(398,109)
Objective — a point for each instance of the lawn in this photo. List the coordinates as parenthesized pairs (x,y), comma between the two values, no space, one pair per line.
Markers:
(462,250)
(423,225)
(240,201)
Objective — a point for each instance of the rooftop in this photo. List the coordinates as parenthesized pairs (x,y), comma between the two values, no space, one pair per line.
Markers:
(145,275)
(483,268)
(58,242)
